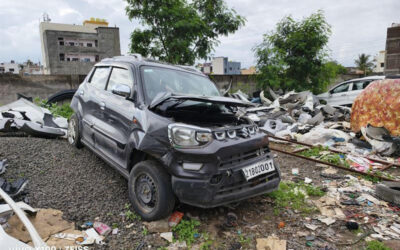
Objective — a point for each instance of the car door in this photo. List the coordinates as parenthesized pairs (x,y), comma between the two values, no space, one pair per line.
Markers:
(358,87)
(339,95)
(92,95)
(118,115)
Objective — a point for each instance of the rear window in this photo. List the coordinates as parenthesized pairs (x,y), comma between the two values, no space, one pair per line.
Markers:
(360,85)
(99,77)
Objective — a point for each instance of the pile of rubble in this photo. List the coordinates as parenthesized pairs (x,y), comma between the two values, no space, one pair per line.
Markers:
(26,117)
(301,117)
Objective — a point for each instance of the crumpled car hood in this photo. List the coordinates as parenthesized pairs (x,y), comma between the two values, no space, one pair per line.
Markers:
(159,99)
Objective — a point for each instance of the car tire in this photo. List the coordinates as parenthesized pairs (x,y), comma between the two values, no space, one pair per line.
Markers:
(73,133)
(150,191)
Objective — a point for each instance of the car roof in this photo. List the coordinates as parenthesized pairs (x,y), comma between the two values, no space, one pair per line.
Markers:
(138,60)
(359,79)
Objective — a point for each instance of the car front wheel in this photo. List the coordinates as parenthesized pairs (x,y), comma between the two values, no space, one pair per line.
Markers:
(73,133)
(150,191)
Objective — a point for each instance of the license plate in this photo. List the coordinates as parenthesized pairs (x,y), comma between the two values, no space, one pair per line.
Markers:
(258,168)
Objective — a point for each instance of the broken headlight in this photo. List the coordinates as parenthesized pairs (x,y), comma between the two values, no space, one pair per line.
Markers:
(183,135)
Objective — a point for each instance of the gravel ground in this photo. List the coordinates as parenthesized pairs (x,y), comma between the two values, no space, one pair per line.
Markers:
(84,187)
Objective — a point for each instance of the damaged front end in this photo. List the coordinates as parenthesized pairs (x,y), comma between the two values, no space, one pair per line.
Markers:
(215,154)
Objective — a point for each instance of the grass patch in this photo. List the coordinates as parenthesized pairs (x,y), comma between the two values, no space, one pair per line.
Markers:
(207,242)
(333,158)
(314,151)
(376,245)
(293,195)
(186,231)
(56,110)
(132,216)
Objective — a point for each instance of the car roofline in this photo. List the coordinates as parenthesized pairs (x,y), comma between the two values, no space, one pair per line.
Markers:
(358,79)
(138,60)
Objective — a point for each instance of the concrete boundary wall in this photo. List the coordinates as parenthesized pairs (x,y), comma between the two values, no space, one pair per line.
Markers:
(41,86)
(44,86)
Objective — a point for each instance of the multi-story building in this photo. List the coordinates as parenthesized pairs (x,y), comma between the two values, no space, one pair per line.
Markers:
(380,62)
(221,66)
(392,62)
(74,49)
(11,68)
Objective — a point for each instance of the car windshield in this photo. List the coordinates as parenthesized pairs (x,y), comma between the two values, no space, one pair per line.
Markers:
(158,80)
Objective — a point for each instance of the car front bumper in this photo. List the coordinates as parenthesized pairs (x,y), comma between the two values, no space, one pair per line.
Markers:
(227,186)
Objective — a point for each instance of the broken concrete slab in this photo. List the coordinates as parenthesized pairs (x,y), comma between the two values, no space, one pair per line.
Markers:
(47,222)
(160,226)
(271,243)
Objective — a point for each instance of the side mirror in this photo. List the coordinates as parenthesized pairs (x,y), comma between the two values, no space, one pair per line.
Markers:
(121,90)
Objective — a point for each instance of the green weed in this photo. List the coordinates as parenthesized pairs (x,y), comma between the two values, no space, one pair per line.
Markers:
(313,152)
(63,110)
(186,230)
(145,231)
(207,242)
(244,240)
(132,215)
(333,158)
(292,195)
(376,245)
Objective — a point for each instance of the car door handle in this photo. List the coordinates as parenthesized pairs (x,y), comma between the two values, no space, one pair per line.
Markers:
(102,105)
(81,93)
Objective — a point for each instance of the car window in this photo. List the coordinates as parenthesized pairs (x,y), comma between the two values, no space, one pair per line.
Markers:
(366,83)
(360,85)
(159,80)
(342,88)
(119,76)
(99,77)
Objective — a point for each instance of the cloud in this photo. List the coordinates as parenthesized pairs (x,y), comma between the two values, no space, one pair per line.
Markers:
(358,26)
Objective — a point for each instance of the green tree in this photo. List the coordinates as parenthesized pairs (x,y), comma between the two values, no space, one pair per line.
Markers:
(364,63)
(294,56)
(180,31)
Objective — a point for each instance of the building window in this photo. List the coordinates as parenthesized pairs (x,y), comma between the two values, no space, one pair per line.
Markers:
(382,65)
(97,58)
(68,59)
(86,60)
(11,70)
(61,43)
(71,44)
(62,57)
(89,44)
(75,59)
(96,44)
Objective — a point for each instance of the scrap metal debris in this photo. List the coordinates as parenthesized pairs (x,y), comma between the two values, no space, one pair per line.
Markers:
(24,116)
(364,211)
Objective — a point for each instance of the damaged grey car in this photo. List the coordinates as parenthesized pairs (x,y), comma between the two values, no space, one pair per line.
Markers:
(169,132)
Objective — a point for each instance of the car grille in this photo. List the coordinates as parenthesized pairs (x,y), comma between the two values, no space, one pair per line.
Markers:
(240,183)
(242,157)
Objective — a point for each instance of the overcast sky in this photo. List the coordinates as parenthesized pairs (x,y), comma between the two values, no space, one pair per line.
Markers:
(358,26)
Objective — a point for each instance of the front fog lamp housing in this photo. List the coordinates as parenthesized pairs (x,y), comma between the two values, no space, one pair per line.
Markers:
(182,135)
(192,166)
